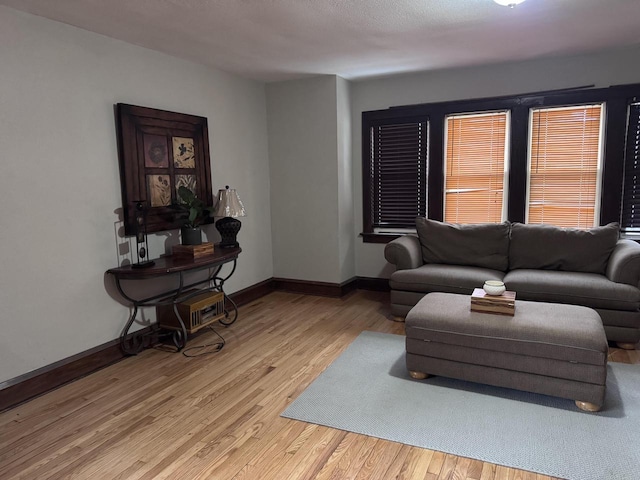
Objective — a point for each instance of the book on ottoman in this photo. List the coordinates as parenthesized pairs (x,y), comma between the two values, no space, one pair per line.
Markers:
(504,304)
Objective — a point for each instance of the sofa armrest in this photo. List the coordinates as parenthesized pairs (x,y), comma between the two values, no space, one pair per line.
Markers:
(404,252)
(624,263)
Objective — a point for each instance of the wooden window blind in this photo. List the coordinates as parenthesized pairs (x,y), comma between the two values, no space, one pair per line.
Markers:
(565,148)
(398,170)
(474,168)
(630,220)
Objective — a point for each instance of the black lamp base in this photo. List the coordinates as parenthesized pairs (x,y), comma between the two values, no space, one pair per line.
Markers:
(228,228)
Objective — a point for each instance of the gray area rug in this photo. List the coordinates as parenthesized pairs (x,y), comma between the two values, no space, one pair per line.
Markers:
(367,390)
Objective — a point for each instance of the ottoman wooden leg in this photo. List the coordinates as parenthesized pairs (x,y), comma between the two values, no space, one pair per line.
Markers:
(587,406)
(418,375)
(626,345)
(397,318)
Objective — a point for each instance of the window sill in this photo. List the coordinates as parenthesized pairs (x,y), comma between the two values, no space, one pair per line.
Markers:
(626,236)
(379,237)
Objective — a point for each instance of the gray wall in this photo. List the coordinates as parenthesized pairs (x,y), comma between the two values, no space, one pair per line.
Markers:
(60,181)
(309,154)
(346,240)
(602,69)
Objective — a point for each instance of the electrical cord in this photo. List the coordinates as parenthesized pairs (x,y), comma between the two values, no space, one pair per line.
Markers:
(216,346)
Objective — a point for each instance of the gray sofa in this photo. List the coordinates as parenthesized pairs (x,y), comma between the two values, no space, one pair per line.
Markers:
(593,268)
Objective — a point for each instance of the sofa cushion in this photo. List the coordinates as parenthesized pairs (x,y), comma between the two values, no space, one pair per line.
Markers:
(484,245)
(577,288)
(569,249)
(442,278)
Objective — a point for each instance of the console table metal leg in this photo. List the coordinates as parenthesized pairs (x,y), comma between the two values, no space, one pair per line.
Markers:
(179,336)
(135,340)
(229,317)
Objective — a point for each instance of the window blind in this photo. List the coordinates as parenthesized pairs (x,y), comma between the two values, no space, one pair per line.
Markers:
(630,220)
(565,148)
(398,174)
(474,171)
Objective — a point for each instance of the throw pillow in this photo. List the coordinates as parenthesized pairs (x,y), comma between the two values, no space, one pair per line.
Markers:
(549,247)
(484,245)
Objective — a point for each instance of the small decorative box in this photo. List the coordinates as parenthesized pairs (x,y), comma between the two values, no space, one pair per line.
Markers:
(193,251)
(504,304)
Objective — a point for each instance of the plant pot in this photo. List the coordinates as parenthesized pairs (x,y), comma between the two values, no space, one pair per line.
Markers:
(191,236)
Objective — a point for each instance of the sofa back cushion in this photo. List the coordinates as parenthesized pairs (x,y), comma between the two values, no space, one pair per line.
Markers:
(484,245)
(553,248)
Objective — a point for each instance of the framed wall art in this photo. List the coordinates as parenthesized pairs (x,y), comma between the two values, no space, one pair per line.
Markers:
(159,152)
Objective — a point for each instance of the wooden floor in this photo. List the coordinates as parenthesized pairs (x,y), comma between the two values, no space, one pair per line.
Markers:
(162,415)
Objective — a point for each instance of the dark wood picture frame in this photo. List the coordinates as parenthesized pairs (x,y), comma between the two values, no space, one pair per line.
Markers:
(158,151)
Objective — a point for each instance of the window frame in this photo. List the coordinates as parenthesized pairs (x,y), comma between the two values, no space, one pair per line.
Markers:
(615,98)
(384,117)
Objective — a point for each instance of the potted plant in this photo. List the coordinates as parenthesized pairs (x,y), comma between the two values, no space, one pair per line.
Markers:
(197,213)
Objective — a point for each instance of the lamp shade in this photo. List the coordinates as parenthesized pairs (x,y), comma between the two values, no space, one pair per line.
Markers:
(228,204)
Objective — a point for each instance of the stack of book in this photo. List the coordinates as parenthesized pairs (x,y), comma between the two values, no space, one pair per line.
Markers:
(504,304)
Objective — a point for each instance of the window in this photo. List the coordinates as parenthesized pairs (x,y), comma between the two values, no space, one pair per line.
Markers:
(564,165)
(398,174)
(566,157)
(630,220)
(475,167)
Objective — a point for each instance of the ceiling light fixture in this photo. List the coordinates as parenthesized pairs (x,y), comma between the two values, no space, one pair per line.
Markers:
(508,3)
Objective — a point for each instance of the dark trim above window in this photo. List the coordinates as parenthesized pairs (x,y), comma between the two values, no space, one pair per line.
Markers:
(616,98)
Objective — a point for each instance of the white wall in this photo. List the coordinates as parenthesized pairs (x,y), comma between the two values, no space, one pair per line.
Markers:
(60,182)
(311,186)
(603,69)
(346,238)
(304,178)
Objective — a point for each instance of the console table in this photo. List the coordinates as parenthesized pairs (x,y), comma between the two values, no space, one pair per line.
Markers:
(177,267)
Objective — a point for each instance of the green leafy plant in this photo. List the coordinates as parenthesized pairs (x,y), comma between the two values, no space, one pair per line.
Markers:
(195,207)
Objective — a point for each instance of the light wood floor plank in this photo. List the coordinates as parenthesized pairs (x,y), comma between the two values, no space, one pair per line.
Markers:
(396,466)
(379,461)
(161,415)
(462,467)
(448,466)
(345,446)
(437,461)
(351,470)
(488,471)
(475,470)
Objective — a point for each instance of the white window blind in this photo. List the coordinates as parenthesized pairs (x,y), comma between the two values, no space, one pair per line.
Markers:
(565,156)
(475,161)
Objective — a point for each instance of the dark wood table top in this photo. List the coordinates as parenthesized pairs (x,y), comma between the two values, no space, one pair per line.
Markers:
(168,264)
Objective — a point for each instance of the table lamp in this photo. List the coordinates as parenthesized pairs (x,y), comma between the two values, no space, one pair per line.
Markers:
(228,206)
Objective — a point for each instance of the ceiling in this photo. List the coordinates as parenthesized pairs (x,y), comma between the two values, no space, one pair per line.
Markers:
(271,40)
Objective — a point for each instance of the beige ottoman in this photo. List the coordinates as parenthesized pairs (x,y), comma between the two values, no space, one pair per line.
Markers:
(546,348)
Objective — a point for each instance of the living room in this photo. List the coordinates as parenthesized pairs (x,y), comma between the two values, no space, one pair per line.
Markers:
(291,148)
